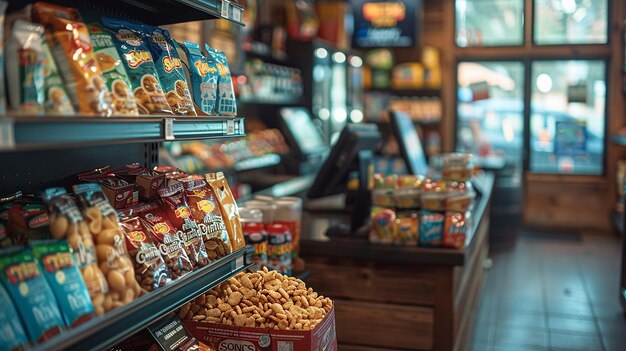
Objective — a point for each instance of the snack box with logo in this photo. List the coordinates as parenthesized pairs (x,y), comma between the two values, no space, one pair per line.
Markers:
(223,337)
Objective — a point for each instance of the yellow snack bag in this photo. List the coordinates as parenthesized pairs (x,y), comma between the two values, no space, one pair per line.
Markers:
(228,206)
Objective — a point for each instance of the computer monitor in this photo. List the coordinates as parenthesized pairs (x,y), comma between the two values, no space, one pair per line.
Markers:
(301,132)
(409,143)
(352,152)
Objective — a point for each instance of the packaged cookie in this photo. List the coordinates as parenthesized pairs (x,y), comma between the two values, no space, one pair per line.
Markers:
(66,222)
(63,277)
(25,69)
(113,260)
(206,211)
(170,70)
(139,66)
(150,269)
(228,207)
(35,302)
(204,78)
(226,104)
(179,214)
(56,100)
(13,336)
(113,71)
(169,243)
(71,47)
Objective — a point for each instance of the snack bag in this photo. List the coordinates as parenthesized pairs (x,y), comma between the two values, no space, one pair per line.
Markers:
(455,230)
(169,243)
(383,228)
(204,78)
(31,294)
(226,104)
(179,214)
(66,222)
(25,70)
(139,65)
(431,229)
(72,50)
(113,259)
(27,219)
(205,210)
(228,207)
(170,70)
(12,336)
(407,229)
(64,279)
(150,269)
(56,100)
(113,71)
(3,102)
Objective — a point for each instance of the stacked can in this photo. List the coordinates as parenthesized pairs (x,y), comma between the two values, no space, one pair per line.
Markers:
(255,236)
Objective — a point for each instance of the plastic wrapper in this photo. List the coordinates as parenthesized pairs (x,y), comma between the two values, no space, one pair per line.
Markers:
(229,208)
(431,229)
(113,258)
(179,214)
(113,71)
(226,104)
(66,222)
(25,69)
(31,294)
(73,51)
(139,65)
(13,337)
(383,230)
(455,230)
(150,269)
(204,78)
(57,102)
(64,278)
(407,228)
(170,70)
(169,243)
(206,211)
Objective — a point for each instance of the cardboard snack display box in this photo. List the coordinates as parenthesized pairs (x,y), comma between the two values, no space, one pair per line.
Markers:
(223,337)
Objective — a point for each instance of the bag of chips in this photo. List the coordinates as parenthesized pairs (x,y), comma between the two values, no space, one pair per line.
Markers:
(204,78)
(226,104)
(455,230)
(228,207)
(170,70)
(25,69)
(113,71)
(150,269)
(70,291)
(179,214)
(206,211)
(12,336)
(71,47)
(56,100)
(431,229)
(31,294)
(383,230)
(139,65)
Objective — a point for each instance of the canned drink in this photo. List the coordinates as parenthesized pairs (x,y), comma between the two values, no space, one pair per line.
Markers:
(279,248)
(289,213)
(255,237)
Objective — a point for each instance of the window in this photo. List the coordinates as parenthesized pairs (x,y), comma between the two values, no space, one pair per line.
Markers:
(567,116)
(489,22)
(570,22)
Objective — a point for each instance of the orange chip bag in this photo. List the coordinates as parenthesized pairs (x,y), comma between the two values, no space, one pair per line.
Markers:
(228,206)
(71,47)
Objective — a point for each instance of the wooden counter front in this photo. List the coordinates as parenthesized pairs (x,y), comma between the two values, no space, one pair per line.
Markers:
(402,298)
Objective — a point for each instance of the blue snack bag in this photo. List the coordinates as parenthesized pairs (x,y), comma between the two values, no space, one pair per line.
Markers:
(204,78)
(226,104)
(170,70)
(431,229)
(31,294)
(65,280)
(12,335)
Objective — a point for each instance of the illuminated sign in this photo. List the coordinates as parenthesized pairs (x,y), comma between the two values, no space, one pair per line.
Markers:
(386,23)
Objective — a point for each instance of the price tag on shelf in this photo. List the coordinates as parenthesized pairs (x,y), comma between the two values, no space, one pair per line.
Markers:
(170,333)
(225,5)
(169,129)
(230,127)
(7,136)
(239,262)
(237,14)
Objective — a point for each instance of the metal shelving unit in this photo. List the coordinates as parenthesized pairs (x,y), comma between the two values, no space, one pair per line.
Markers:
(106,331)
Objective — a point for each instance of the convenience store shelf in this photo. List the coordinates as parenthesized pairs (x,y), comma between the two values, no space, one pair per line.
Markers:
(156,12)
(106,331)
(407,92)
(37,133)
(250,164)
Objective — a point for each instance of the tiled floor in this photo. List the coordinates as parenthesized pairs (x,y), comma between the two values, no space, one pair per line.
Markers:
(552,292)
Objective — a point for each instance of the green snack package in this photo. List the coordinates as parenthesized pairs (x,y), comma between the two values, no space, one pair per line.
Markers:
(56,100)
(30,293)
(113,71)
(65,280)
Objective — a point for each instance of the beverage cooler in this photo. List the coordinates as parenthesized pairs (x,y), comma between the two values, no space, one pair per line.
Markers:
(335,94)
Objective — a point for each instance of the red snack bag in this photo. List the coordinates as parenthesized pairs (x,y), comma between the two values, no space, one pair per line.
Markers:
(169,243)
(455,230)
(206,211)
(150,269)
(179,214)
